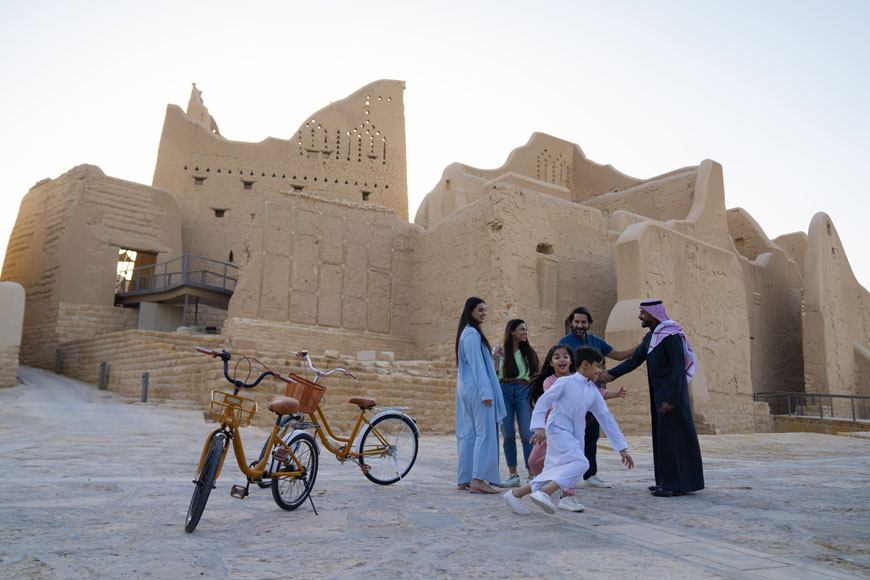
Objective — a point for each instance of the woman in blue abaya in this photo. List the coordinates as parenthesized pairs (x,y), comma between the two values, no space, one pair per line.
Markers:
(479,403)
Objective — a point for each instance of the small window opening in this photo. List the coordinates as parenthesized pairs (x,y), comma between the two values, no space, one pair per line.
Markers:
(366,195)
(544,248)
(219,213)
(198,180)
(231,257)
(248,184)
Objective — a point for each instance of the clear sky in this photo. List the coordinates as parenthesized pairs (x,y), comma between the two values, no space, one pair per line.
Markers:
(776,91)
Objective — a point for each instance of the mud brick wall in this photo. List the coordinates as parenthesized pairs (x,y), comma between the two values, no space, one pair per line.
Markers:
(179,374)
(9,366)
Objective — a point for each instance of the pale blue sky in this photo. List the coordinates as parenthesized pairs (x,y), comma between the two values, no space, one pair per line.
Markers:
(776,91)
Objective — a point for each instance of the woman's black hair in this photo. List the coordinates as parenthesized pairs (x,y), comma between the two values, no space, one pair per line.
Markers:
(536,387)
(468,320)
(510,370)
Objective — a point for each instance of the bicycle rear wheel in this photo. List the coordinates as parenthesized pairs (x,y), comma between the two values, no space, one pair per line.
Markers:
(204,482)
(291,491)
(392,441)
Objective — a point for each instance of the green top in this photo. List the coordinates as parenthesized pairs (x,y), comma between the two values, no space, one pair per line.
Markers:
(522,369)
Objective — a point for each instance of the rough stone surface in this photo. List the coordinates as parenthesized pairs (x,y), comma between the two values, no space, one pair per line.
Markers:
(777,506)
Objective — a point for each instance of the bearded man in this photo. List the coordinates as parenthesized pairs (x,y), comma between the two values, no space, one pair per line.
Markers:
(670,364)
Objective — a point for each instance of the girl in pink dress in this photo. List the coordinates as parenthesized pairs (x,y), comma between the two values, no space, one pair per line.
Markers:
(559,363)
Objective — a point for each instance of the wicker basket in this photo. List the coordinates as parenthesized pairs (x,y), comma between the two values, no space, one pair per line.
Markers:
(231,409)
(307,393)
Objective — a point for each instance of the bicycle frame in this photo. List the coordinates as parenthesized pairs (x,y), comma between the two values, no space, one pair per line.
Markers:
(256,471)
(343,452)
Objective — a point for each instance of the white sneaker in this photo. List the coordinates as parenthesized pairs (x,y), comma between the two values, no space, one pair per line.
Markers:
(570,503)
(515,503)
(595,482)
(512,481)
(542,500)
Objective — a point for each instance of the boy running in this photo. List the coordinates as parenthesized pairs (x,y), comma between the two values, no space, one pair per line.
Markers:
(570,398)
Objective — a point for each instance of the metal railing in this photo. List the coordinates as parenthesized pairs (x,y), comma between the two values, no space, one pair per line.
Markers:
(845,407)
(187,269)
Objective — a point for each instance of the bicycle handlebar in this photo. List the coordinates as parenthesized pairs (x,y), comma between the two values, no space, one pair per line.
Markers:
(304,354)
(225,356)
(210,352)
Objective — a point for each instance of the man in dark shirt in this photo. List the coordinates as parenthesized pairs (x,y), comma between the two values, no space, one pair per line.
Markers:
(579,322)
(670,364)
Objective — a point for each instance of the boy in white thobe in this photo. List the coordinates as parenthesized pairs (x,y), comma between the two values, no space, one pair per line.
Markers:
(564,430)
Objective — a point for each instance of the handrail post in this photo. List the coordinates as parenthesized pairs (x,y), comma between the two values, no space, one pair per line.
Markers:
(853,409)
(184,268)
(821,408)
(788,402)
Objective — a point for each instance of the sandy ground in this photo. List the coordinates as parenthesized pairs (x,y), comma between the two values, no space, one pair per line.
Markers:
(94,486)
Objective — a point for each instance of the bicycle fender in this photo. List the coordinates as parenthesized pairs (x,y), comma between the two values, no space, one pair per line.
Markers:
(386,412)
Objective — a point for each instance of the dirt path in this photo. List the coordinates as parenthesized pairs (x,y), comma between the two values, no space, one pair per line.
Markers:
(92,486)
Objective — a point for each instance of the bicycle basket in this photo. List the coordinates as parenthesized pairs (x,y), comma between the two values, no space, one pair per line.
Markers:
(231,409)
(307,393)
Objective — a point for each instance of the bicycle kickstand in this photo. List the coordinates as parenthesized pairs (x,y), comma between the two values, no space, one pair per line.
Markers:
(309,497)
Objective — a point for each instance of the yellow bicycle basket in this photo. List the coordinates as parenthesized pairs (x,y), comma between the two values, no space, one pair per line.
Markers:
(231,409)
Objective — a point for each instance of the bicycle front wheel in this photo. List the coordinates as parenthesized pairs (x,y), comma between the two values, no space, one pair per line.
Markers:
(290,491)
(389,447)
(204,482)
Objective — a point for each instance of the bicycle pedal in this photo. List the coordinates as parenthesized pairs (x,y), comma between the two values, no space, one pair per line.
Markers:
(281,455)
(365,468)
(239,491)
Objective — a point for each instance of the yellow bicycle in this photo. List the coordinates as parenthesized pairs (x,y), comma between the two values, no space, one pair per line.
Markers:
(385,445)
(288,462)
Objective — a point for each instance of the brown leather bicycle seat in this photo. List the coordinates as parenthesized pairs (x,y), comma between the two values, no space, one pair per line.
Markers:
(284,405)
(364,402)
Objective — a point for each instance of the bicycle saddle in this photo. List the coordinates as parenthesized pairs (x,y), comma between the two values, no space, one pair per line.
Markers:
(284,405)
(364,402)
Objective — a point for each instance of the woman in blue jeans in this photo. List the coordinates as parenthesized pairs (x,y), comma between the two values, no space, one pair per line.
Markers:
(517,363)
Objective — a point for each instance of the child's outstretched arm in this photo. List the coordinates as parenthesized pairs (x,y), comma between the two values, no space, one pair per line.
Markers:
(621,393)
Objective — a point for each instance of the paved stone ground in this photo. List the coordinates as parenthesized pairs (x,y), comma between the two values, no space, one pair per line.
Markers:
(93,486)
